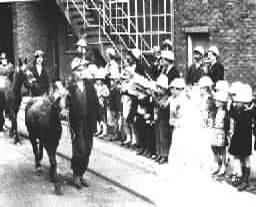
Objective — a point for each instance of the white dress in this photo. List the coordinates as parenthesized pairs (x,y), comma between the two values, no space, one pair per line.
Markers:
(190,154)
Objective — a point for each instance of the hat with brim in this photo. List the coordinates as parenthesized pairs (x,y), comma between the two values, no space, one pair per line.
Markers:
(245,94)
(78,64)
(222,85)
(205,81)
(168,55)
(221,96)
(86,74)
(178,83)
(82,42)
(235,87)
(162,81)
(111,52)
(135,53)
(168,43)
(214,50)
(38,53)
(3,55)
(99,74)
(199,49)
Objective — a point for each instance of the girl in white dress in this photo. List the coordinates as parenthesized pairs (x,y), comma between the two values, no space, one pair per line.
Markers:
(190,154)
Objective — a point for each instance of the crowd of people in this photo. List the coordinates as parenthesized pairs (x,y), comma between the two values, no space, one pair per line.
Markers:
(178,120)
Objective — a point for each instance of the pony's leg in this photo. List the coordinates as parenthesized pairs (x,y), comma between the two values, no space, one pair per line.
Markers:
(1,120)
(51,151)
(14,128)
(41,151)
(36,153)
(2,107)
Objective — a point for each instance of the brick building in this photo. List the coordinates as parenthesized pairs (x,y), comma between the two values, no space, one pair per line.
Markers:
(229,24)
(47,24)
(27,25)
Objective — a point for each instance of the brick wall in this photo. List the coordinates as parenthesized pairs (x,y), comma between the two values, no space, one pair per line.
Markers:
(35,27)
(232,27)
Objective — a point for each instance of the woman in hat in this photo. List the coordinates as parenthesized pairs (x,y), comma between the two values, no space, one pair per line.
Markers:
(195,71)
(216,69)
(40,85)
(242,115)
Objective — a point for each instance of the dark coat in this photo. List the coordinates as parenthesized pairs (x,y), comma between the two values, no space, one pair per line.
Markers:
(84,113)
(141,69)
(84,106)
(216,72)
(41,85)
(241,141)
(172,74)
(193,74)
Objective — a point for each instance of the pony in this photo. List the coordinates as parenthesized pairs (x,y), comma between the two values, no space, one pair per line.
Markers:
(11,96)
(43,121)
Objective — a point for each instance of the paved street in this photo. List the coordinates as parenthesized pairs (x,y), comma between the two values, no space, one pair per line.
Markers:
(21,186)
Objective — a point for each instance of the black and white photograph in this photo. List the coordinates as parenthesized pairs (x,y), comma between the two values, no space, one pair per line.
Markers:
(127,103)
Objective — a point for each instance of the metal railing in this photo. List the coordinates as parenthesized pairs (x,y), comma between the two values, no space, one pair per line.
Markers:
(80,10)
(107,21)
(103,21)
(143,42)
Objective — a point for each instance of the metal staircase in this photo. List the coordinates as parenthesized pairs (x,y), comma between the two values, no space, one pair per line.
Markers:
(91,17)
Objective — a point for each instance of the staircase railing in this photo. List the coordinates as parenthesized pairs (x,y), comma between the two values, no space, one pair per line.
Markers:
(142,40)
(108,21)
(80,10)
(65,4)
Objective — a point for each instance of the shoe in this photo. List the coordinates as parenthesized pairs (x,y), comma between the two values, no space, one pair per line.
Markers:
(236,181)
(98,133)
(145,153)
(140,151)
(158,158)
(215,172)
(163,160)
(114,138)
(77,182)
(153,157)
(243,186)
(83,182)
(245,179)
(127,144)
(103,135)
(133,146)
(149,155)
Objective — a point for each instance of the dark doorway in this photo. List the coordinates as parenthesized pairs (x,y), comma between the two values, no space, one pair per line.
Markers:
(6,35)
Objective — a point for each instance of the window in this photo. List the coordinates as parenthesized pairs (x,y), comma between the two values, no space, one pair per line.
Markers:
(146,22)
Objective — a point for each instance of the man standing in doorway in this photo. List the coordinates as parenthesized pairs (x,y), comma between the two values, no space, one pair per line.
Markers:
(195,71)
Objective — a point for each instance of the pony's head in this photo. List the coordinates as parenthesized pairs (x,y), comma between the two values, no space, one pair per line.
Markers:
(59,95)
(19,76)
(22,64)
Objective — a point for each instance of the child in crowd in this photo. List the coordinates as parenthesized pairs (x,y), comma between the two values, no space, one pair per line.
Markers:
(206,102)
(219,127)
(102,93)
(242,115)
